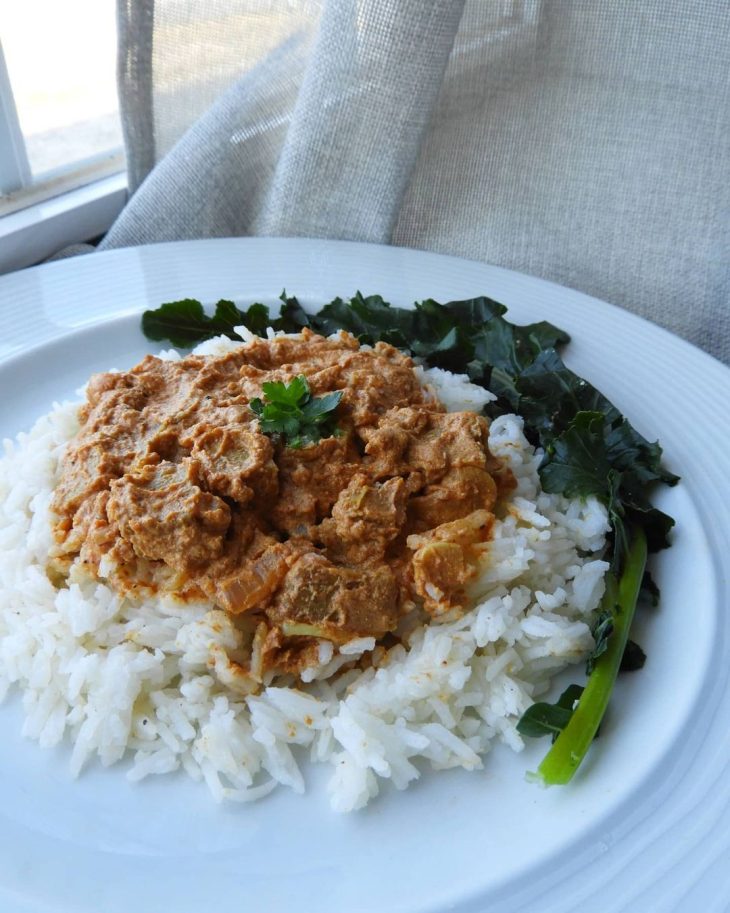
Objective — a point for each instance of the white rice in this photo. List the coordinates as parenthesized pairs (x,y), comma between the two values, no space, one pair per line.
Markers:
(148,680)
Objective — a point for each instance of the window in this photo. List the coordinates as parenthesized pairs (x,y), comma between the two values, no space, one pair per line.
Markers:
(59,119)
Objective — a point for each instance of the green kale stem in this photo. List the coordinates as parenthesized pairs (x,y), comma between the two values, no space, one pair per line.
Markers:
(620,598)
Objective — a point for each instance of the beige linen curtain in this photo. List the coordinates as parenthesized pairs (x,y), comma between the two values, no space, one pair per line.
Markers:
(583,141)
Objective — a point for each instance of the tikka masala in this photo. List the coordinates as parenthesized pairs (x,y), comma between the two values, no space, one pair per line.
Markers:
(170,486)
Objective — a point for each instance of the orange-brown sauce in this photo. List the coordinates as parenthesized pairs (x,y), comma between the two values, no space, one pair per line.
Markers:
(170,486)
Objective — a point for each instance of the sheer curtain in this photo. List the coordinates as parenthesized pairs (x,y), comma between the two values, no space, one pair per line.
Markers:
(583,141)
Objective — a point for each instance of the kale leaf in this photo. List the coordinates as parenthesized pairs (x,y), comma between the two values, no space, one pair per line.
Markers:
(602,630)
(185,323)
(649,594)
(543,718)
(633,658)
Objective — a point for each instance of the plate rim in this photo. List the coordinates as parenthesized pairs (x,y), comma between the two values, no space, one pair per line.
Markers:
(193,244)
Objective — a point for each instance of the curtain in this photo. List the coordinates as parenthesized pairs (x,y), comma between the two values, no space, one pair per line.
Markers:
(583,141)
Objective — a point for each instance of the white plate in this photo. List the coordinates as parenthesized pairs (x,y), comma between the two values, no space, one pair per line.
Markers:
(643,827)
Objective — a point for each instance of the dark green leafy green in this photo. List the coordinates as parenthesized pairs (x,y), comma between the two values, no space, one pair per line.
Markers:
(614,463)
(369,319)
(293,414)
(602,630)
(185,323)
(577,463)
(649,594)
(543,718)
(633,658)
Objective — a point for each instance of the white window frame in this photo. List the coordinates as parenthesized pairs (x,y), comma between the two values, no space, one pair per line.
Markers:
(14,165)
(37,219)
(36,232)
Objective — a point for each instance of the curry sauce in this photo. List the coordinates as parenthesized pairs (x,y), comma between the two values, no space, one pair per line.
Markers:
(170,486)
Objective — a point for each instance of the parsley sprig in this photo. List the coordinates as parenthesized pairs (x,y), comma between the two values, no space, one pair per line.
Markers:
(292,413)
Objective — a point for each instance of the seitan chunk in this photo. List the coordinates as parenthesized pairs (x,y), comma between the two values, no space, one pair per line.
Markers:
(319,598)
(165,515)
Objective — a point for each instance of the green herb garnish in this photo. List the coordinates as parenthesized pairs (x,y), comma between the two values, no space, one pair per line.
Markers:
(292,413)
(589,447)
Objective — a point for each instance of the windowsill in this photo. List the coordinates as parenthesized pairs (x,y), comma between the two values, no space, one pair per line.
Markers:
(63,180)
(38,231)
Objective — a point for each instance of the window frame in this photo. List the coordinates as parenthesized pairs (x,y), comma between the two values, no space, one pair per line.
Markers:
(14,165)
(36,232)
(38,218)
